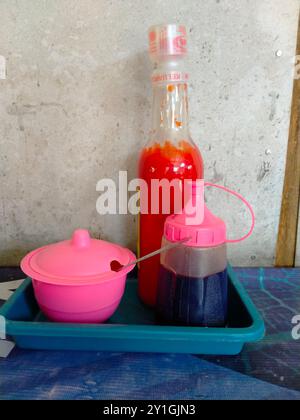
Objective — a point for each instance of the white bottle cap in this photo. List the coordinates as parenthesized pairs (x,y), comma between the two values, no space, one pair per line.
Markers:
(166,41)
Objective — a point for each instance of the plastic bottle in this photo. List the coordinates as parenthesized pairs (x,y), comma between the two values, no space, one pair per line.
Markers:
(170,153)
(193,283)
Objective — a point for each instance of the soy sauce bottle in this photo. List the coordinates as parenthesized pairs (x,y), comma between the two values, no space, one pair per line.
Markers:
(193,281)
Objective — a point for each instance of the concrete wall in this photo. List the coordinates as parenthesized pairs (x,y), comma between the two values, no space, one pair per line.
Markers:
(76,106)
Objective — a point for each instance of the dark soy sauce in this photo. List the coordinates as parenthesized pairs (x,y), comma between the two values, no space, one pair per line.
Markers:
(183,300)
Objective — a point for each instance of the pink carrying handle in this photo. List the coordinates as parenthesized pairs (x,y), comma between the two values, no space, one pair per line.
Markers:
(233,241)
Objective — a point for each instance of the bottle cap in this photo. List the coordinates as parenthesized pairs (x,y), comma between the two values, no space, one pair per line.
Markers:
(210,231)
(167,40)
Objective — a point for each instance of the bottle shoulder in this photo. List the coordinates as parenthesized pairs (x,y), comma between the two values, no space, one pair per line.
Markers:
(176,139)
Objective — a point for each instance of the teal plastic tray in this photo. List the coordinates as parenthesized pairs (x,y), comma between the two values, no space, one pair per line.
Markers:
(133,327)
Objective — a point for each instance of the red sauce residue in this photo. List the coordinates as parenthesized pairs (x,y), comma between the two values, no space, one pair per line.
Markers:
(166,161)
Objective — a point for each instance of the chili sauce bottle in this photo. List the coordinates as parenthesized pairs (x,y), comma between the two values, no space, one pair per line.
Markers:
(170,154)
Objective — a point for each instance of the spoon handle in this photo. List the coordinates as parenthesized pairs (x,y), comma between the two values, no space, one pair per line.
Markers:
(158,251)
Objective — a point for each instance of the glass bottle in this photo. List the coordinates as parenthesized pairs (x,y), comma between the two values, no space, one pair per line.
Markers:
(171,153)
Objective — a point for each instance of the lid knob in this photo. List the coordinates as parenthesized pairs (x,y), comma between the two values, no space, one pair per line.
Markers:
(81,238)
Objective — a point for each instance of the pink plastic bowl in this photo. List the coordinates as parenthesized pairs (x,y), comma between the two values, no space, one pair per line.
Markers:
(73,281)
(85,304)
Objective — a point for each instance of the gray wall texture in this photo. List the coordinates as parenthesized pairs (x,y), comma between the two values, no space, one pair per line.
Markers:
(76,107)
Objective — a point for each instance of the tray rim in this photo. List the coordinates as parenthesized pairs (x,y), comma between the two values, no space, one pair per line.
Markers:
(129,331)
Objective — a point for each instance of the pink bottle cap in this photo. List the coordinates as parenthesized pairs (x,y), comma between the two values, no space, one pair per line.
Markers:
(211,232)
(167,40)
(208,232)
(80,260)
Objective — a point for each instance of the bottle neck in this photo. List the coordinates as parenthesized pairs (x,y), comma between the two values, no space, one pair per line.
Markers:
(170,111)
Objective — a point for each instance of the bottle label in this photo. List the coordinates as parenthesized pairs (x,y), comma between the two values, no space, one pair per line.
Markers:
(172,76)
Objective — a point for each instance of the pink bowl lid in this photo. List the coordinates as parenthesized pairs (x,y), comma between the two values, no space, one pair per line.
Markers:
(78,261)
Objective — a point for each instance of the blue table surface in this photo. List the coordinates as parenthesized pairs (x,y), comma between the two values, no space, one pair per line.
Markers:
(269,369)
